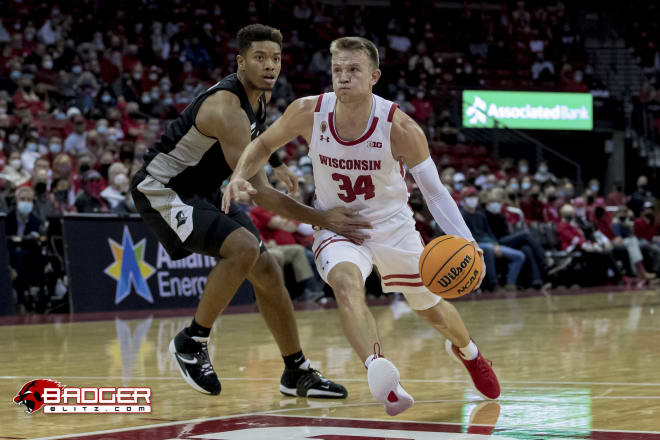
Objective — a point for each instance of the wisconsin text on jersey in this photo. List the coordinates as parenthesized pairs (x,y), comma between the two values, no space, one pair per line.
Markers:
(350,164)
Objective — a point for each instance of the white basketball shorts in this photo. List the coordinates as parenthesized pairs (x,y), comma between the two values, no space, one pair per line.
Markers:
(394,248)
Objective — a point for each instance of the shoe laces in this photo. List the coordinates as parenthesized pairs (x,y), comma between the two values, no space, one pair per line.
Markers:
(205,364)
(484,365)
(377,353)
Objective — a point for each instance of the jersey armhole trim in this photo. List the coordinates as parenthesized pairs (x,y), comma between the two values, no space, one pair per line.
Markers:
(390,115)
(318,103)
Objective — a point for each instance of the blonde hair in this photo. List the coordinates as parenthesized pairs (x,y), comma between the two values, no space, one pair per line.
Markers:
(357,43)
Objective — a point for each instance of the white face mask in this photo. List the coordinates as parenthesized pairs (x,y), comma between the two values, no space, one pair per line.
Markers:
(543,169)
(472,202)
(523,169)
(48,64)
(15,164)
(55,148)
(31,146)
(77,69)
(526,185)
(25,207)
(495,207)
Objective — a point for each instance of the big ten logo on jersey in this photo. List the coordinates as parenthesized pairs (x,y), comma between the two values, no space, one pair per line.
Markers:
(375,144)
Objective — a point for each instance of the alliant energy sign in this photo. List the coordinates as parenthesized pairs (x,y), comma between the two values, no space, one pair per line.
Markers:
(527,110)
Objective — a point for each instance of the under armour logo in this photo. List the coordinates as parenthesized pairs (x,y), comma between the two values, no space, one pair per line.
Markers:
(180,219)
(325,138)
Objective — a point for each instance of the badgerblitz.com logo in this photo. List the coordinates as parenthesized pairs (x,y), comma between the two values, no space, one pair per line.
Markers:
(56,398)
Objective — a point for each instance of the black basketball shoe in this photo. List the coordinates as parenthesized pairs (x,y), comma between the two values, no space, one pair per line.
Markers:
(308,382)
(192,358)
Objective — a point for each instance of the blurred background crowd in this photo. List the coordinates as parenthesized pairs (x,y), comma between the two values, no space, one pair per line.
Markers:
(87,87)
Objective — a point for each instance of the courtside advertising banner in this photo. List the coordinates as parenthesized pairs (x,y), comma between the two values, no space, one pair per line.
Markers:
(527,110)
(6,295)
(118,264)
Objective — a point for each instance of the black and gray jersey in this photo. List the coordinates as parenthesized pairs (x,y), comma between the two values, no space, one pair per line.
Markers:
(190,162)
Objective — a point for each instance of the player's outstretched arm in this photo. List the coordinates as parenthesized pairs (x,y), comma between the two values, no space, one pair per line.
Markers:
(297,120)
(343,221)
(410,145)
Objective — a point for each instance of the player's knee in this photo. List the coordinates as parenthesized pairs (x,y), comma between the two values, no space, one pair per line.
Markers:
(268,273)
(347,289)
(242,247)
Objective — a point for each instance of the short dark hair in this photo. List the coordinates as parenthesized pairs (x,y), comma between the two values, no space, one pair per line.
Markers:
(356,43)
(257,32)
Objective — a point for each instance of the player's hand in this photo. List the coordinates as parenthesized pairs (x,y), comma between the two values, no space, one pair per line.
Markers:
(288,177)
(344,222)
(239,190)
(483,267)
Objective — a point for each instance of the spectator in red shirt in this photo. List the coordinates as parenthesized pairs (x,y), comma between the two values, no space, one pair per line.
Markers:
(277,233)
(616,197)
(531,206)
(646,227)
(596,259)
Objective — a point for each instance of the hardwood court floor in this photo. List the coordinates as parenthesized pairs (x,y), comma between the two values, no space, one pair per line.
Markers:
(570,367)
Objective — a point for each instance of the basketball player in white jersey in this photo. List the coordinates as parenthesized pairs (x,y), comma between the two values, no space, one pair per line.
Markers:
(357,143)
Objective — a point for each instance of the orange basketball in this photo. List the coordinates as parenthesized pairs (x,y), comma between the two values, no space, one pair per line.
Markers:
(450,266)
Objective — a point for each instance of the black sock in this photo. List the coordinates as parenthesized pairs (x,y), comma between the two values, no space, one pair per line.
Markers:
(197,330)
(294,360)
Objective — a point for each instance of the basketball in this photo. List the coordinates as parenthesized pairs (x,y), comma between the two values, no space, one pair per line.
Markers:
(450,266)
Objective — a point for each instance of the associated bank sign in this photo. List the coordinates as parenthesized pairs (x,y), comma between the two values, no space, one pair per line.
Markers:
(527,110)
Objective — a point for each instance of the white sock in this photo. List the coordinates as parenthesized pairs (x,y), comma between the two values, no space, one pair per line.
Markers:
(369,360)
(470,351)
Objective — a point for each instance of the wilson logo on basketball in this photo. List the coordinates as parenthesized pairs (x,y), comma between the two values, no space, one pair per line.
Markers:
(454,272)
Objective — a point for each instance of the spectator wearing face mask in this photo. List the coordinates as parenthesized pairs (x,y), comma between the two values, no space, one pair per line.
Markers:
(43,205)
(115,193)
(478,223)
(89,199)
(542,174)
(60,197)
(30,153)
(521,240)
(623,229)
(523,169)
(54,148)
(13,171)
(459,184)
(76,142)
(646,225)
(22,227)
(641,195)
(595,259)
(532,206)
(594,186)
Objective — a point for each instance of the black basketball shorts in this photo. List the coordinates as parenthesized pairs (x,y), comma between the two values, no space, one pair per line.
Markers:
(184,223)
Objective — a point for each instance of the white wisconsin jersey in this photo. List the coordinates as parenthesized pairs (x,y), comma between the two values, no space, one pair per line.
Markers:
(361,174)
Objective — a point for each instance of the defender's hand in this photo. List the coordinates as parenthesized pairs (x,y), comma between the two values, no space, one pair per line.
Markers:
(239,190)
(344,222)
(288,177)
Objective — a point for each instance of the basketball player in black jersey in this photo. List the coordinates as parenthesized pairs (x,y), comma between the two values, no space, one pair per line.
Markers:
(177,192)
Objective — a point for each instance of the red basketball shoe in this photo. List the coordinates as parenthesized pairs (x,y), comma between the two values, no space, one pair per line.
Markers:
(481,372)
